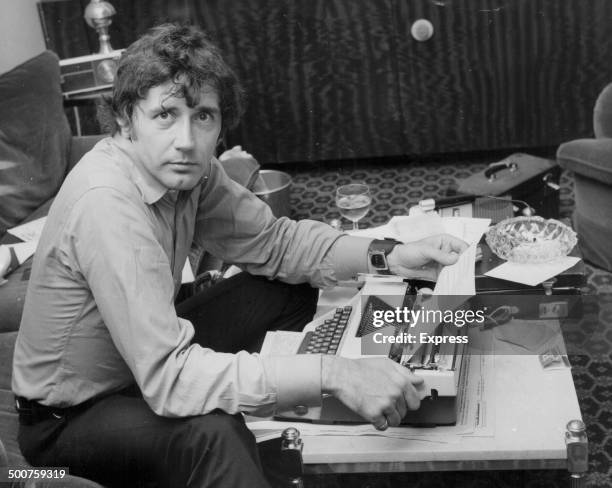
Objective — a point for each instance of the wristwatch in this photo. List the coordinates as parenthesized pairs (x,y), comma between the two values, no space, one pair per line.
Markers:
(377,255)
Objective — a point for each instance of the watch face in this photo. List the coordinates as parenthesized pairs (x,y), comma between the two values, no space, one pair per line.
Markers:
(378,261)
(377,254)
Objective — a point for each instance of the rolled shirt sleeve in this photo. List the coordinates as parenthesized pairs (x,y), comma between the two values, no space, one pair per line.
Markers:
(236,226)
(297,379)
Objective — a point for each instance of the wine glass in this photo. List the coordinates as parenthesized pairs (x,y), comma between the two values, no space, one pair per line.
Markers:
(354,201)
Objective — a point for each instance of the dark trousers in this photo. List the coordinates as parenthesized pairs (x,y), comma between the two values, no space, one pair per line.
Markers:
(119,441)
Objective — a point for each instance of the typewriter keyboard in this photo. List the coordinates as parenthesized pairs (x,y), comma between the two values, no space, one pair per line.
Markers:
(326,338)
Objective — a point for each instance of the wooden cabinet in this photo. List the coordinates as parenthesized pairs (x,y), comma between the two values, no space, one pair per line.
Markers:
(345,79)
(501,73)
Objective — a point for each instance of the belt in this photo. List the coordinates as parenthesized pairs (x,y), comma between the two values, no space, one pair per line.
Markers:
(31,412)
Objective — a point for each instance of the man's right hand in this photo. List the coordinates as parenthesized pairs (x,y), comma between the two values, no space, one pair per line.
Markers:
(378,389)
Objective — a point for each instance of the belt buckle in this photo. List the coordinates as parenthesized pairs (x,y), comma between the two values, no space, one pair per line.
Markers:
(18,406)
(26,414)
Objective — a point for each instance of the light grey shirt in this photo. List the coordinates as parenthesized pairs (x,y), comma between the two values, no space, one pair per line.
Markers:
(99,313)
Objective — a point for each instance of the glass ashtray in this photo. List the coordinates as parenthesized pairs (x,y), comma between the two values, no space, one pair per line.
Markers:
(531,239)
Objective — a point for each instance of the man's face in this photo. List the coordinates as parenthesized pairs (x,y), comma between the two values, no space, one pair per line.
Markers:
(173,142)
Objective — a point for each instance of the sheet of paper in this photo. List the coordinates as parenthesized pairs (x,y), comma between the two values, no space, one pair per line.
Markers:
(412,228)
(458,278)
(454,281)
(383,288)
(270,429)
(468,229)
(330,298)
(30,231)
(406,228)
(281,342)
(532,274)
(187,274)
(23,250)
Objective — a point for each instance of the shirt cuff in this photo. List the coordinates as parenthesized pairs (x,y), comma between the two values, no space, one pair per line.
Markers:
(350,256)
(298,380)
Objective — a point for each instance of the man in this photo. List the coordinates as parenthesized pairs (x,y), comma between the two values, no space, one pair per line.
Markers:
(115,382)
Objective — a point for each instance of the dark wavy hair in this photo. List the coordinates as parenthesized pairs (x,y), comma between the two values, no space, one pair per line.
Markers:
(182,54)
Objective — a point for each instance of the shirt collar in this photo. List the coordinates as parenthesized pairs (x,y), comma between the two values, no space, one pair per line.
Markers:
(150,189)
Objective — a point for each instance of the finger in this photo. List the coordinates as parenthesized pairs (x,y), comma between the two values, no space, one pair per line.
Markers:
(380,423)
(411,397)
(413,390)
(454,244)
(416,380)
(393,417)
(440,256)
(401,407)
(447,243)
(419,386)
(423,273)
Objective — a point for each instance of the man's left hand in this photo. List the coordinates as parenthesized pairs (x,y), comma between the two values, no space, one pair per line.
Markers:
(425,258)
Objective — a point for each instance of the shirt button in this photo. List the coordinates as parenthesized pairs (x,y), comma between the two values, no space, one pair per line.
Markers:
(300,409)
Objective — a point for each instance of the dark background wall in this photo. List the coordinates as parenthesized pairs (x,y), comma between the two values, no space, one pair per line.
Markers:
(344,79)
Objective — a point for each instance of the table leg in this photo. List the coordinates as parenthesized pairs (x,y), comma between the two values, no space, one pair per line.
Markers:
(577,452)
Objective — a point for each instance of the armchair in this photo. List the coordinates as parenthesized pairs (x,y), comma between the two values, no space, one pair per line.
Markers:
(590,161)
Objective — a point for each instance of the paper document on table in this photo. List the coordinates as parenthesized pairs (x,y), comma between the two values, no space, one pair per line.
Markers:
(23,250)
(477,398)
(281,342)
(532,274)
(29,231)
(264,430)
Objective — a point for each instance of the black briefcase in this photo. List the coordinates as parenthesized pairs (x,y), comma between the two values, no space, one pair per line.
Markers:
(530,181)
(557,298)
(569,282)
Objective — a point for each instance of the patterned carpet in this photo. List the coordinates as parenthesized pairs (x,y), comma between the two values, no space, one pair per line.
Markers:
(396,185)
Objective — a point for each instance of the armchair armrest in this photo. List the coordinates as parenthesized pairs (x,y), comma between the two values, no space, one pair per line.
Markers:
(591,158)
(79,146)
(602,113)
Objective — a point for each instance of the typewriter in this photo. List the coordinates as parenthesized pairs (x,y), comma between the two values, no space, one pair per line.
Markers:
(349,331)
